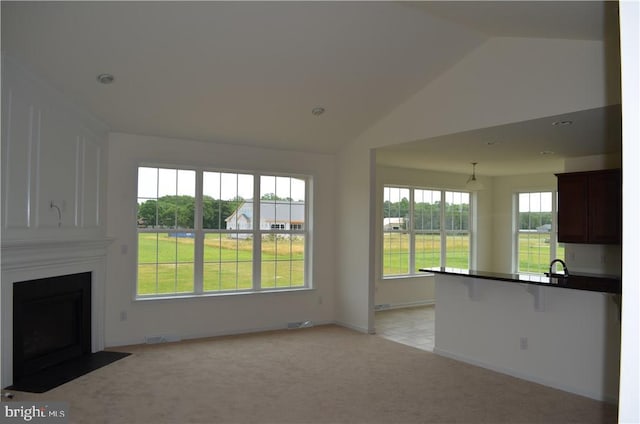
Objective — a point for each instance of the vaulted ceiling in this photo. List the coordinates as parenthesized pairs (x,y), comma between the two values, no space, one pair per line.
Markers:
(251,72)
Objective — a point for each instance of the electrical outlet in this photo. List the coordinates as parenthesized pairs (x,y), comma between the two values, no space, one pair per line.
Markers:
(524,343)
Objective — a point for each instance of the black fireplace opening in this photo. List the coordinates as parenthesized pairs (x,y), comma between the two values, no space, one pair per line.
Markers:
(51,322)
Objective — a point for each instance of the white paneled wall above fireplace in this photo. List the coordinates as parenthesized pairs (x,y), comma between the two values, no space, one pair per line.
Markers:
(53,178)
(53,162)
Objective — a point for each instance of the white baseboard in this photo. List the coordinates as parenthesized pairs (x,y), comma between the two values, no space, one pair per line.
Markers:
(353,327)
(603,397)
(388,306)
(132,342)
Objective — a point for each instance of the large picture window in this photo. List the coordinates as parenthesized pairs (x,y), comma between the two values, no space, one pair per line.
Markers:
(424,228)
(536,243)
(206,231)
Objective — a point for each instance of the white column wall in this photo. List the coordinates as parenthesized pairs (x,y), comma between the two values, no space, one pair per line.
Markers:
(629,407)
(354,294)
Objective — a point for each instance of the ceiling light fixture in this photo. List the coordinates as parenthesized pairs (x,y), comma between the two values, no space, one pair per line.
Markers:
(561,123)
(105,78)
(317,111)
(547,152)
(472,183)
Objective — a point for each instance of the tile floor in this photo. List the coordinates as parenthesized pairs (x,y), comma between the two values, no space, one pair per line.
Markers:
(410,326)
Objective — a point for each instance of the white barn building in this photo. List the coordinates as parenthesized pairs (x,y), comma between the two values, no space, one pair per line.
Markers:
(274,215)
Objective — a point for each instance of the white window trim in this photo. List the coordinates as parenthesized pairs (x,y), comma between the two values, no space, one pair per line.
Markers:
(553,235)
(256,232)
(412,232)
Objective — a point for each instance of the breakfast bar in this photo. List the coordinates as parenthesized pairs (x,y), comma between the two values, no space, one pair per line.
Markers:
(560,331)
(580,281)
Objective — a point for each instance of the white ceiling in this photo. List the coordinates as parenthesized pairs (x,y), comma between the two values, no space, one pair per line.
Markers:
(580,20)
(250,72)
(528,147)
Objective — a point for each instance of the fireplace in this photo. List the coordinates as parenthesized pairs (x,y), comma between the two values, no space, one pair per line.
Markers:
(51,322)
(26,261)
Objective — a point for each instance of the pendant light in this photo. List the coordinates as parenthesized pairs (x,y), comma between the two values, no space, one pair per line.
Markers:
(472,183)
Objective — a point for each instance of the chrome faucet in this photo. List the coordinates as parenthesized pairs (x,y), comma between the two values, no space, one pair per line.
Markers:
(564,266)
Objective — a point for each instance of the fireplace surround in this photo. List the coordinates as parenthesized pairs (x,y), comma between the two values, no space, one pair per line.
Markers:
(36,260)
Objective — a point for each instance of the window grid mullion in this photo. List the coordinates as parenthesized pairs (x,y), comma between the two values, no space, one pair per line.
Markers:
(443,231)
(257,235)
(198,254)
(553,235)
(412,235)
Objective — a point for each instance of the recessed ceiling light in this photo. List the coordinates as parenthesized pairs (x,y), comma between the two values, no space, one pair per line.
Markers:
(317,111)
(547,152)
(105,78)
(561,123)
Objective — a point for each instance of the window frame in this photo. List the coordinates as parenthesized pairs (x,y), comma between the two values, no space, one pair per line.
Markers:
(412,232)
(553,233)
(256,233)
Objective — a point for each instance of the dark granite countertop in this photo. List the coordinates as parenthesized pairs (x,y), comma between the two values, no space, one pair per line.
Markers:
(577,281)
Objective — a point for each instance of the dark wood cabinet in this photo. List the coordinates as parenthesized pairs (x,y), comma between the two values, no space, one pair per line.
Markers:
(590,207)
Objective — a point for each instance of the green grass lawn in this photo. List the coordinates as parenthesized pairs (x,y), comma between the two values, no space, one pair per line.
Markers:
(534,252)
(165,264)
(396,252)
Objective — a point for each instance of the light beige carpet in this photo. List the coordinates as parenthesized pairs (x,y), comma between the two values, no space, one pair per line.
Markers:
(324,374)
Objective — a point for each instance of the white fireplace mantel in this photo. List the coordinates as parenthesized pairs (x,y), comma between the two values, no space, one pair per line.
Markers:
(28,254)
(24,260)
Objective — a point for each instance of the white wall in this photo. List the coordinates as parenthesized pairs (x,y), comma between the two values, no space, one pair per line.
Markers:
(405,292)
(573,344)
(355,245)
(213,315)
(629,407)
(504,80)
(51,152)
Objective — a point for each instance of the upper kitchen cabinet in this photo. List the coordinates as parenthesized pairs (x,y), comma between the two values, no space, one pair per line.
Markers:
(590,207)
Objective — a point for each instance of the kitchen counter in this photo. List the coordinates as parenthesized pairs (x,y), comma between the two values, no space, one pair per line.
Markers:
(577,281)
(563,333)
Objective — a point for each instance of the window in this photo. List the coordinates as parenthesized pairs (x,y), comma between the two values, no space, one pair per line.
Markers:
(536,242)
(424,228)
(205,231)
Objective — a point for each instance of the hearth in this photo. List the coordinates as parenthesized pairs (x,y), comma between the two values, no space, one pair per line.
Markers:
(51,322)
